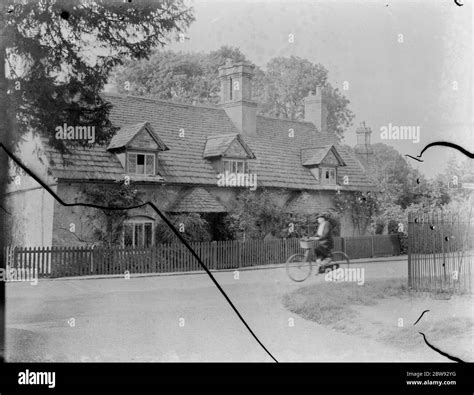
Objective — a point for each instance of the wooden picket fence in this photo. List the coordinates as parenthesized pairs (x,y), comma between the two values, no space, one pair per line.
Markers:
(441,251)
(175,257)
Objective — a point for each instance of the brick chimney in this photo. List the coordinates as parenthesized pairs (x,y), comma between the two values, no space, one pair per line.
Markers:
(363,148)
(315,110)
(236,96)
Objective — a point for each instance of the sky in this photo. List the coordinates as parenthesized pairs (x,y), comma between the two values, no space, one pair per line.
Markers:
(405,63)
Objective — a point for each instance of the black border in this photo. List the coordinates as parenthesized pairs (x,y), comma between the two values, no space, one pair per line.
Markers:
(222,378)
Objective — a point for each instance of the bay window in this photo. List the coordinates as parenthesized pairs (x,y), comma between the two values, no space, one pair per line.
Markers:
(138,233)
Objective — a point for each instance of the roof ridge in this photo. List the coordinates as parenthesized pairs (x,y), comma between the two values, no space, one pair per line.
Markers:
(320,146)
(287,120)
(214,136)
(165,102)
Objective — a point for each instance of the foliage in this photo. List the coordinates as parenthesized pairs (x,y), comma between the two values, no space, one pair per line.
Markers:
(53,76)
(392,226)
(120,195)
(192,227)
(403,239)
(304,225)
(362,206)
(379,226)
(287,81)
(218,226)
(193,78)
(255,215)
(451,180)
(176,76)
(398,183)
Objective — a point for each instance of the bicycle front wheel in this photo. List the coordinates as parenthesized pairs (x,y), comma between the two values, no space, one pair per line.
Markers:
(298,268)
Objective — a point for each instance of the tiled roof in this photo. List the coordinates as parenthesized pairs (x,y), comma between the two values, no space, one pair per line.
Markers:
(315,155)
(218,145)
(197,200)
(185,130)
(85,163)
(126,134)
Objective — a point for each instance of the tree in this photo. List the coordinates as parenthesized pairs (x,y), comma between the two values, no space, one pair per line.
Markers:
(54,77)
(288,81)
(455,174)
(396,181)
(255,216)
(177,76)
(193,78)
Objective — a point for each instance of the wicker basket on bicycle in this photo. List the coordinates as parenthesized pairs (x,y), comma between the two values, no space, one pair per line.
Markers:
(306,244)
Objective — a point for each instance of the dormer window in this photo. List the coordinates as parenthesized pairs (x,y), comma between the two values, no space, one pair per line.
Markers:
(328,176)
(322,162)
(141,163)
(236,166)
(137,148)
(228,153)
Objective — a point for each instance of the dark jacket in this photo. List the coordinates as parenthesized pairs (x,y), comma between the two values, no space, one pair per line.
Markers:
(326,240)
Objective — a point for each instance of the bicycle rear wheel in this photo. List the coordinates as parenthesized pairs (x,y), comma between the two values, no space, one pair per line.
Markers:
(298,268)
(339,260)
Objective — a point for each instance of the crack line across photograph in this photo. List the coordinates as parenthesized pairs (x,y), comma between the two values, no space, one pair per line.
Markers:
(163,217)
(470,155)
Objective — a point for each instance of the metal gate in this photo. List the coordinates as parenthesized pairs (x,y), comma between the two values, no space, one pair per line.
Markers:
(441,251)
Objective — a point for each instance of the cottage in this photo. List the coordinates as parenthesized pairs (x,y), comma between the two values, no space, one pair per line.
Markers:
(173,153)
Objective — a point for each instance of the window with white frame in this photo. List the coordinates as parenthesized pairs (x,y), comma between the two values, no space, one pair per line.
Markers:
(237,166)
(141,163)
(138,233)
(328,175)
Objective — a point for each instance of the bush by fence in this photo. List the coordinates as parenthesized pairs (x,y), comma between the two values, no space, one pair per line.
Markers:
(162,258)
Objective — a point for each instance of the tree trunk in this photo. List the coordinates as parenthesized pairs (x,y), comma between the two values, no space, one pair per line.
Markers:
(4,131)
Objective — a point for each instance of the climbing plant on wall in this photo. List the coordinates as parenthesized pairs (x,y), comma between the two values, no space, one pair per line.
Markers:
(361,206)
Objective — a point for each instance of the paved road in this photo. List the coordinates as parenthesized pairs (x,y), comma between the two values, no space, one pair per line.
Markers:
(179,318)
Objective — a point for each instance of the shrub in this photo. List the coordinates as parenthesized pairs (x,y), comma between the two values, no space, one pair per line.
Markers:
(379,226)
(403,238)
(307,224)
(392,227)
(194,227)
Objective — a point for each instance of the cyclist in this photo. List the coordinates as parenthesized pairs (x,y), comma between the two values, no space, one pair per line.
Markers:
(325,240)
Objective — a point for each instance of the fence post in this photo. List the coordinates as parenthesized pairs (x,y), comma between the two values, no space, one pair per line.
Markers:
(409,242)
(372,244)
(214,254)
(239,251)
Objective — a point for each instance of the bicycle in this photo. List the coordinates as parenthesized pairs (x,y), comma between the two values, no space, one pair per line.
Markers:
(300,266)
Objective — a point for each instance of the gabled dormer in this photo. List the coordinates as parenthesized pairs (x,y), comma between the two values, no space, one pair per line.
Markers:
(228,152)
(137,147)
(323,163)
